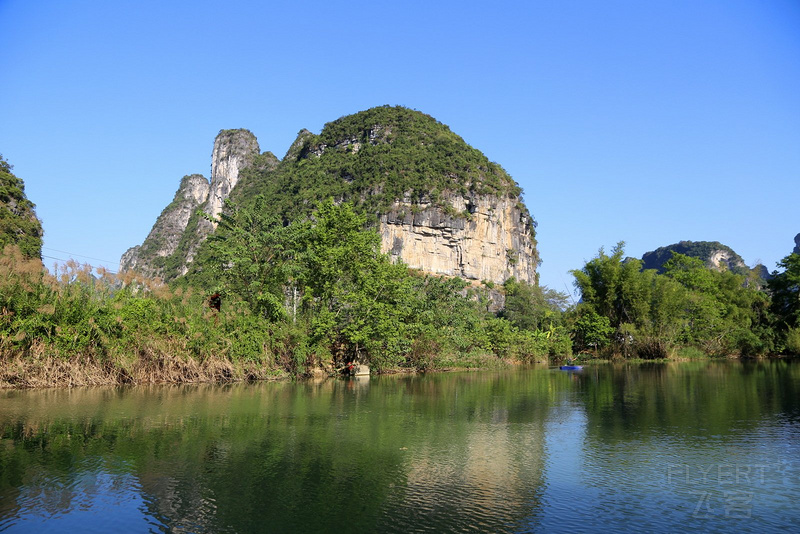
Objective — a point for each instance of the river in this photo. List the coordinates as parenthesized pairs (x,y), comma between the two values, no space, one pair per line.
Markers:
(710,446)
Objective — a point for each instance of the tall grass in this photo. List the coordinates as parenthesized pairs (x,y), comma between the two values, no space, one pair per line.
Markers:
(77,328)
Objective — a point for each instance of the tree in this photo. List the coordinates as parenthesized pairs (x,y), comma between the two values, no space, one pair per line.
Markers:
(592,331)
(644,309)
(353,294)
(532,307)
(615,288)
(252,252)
(785,290)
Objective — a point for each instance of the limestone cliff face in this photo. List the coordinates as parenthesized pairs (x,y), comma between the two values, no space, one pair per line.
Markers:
(180,229)
(233,151)
(729,259)
(164,237)
(488,238)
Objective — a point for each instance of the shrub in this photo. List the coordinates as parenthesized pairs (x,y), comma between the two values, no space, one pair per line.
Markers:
(793,341)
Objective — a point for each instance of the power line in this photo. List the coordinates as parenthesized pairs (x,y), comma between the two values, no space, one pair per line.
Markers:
(53,258)
(81,256)
(64,261)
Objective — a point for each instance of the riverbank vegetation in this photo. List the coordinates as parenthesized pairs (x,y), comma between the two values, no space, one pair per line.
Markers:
(313,296)
(631,312)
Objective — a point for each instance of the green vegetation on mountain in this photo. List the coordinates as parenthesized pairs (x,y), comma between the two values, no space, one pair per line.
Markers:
(704,250)
(18,222)
(316,294)
(652,315)
(371,159)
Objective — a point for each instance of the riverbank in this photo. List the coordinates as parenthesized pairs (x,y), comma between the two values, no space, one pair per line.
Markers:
(37,368)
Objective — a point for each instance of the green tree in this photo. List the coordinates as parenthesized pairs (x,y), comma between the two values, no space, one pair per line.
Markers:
(615,287)
(785,290)
(532,307)
(644,308)
(591,331)
(252,253)
(723,313)
(353,294)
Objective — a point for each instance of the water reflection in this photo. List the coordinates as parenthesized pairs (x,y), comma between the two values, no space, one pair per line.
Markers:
(617,447)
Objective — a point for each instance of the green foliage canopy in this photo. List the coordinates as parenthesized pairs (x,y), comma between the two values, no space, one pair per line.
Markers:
(688,305)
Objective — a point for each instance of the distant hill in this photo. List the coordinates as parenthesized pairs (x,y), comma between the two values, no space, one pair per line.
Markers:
(713,253)
(18,222)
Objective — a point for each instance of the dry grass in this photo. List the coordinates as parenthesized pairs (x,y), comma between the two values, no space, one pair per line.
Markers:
(36,368)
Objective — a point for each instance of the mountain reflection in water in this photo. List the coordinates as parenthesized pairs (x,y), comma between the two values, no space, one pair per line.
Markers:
(661,447)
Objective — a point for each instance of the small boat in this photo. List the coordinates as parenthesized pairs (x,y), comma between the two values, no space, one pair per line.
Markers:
(571,367)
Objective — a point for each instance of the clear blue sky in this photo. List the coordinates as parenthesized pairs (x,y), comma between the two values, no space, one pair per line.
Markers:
(649,122)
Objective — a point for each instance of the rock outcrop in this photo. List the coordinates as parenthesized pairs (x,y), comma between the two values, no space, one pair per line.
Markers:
(165,236)
(796,244)
(233,151)
(180,229)
(489,238)
(715,255)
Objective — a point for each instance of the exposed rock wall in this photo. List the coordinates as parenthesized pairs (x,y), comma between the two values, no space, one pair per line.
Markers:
(233,151)
(180,230)
(493,242)
(163,239)
(731,260)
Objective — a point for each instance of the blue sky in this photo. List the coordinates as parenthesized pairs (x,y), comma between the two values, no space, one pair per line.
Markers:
(649,122)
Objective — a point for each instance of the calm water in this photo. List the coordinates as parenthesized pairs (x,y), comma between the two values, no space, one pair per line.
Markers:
(712,446)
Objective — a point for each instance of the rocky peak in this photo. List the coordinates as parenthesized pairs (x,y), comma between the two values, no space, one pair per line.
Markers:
(303,138)
(165,236)
(180,229)
(233,151)
(796,244)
